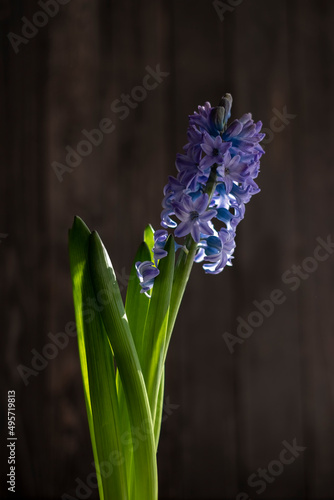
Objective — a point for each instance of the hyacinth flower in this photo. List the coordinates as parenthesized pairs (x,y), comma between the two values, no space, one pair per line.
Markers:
(123,347)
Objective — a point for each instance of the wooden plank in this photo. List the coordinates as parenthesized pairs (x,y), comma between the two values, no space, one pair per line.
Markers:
(75,103)
(269,402)
(24,253)
(311,69)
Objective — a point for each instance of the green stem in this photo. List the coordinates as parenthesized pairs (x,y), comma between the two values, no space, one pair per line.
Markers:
(181,276)
(184,265)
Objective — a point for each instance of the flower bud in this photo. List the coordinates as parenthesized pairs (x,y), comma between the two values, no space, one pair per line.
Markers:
(217,118)
(226,103)
(220,114)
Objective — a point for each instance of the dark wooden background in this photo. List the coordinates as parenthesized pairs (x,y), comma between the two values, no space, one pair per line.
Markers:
(230,412)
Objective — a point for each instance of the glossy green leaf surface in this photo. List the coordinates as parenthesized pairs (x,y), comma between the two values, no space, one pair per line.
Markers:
(137,303)
(149,239)
(97,365)
(156,326)
(120,337)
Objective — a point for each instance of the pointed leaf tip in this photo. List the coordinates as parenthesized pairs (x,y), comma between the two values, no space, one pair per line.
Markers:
(149,239)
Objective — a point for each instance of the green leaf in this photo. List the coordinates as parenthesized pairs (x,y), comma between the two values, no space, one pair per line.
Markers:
(120,337)
(97,365)
(149,239)
(156,326)
(137,303)
(136,307)
(160,404)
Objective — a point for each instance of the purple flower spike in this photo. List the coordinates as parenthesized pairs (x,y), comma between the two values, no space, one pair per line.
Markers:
(194,217)
(228,156)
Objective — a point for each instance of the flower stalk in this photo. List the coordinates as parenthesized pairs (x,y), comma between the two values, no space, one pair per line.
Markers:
(184,266)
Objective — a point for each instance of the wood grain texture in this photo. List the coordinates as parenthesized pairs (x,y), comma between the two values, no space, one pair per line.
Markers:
(226,414)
